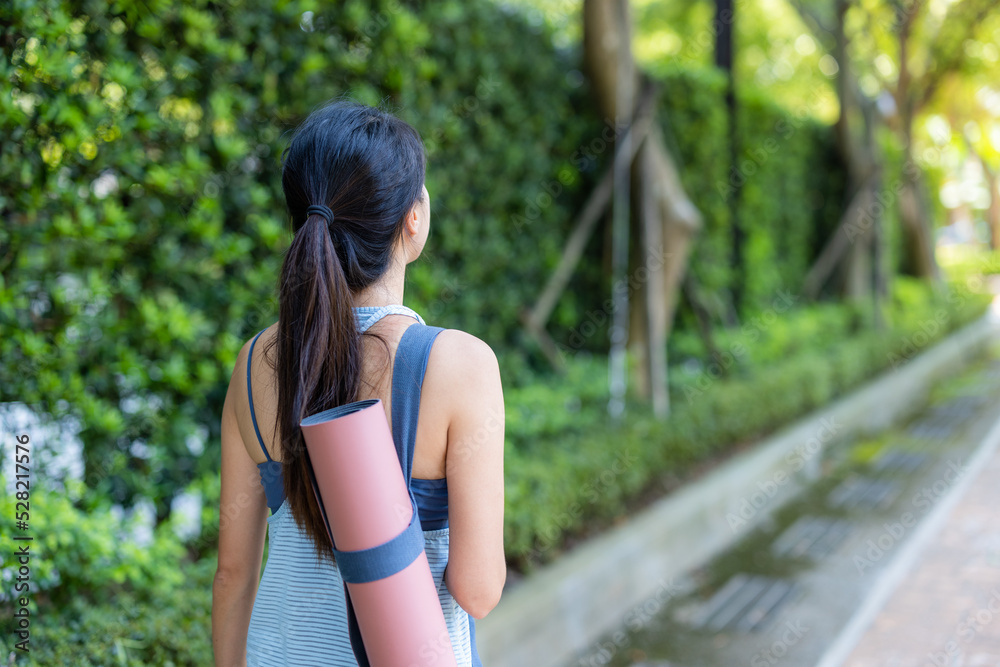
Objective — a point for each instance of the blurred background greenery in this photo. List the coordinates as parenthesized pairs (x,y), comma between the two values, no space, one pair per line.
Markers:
(143,229)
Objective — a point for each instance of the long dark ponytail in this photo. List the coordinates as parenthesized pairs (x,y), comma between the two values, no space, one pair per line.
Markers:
(368,167)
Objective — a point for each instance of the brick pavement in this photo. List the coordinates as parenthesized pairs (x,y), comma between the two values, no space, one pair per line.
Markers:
(946,608)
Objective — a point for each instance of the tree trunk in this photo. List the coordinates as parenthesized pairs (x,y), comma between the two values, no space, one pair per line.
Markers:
(855,252)
(659,194)
(993,212)
(854,130)
(918,243)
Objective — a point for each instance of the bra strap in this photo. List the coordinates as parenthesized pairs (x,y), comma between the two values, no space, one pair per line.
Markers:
(253,416)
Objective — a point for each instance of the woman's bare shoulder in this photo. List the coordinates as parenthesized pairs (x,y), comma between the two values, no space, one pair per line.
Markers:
(462,352)
(462,365)
(469,346)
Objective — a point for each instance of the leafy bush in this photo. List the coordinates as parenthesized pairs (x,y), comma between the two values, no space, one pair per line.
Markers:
(100,596)
(596,470)
(125,628)
(86,552)
(789,178)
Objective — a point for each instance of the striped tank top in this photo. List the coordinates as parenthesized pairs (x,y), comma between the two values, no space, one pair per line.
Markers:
(299,615)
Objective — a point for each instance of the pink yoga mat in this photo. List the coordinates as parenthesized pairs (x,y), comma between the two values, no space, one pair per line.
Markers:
(363,492)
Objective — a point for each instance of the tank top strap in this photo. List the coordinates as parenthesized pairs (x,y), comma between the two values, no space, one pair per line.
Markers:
(407,380)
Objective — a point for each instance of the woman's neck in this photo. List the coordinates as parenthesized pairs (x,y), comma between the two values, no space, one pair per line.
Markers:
(385,291)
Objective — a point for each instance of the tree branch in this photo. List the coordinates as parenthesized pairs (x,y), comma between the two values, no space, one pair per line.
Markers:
(823,32)
(950,63)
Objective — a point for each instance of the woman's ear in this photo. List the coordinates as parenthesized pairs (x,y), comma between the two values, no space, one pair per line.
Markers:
(411,234)
(413,221)
(416,226)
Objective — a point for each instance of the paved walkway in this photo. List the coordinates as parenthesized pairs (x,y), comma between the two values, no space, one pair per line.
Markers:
(945,608)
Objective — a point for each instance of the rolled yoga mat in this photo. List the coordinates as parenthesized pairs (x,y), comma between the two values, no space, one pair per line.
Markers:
(377,539)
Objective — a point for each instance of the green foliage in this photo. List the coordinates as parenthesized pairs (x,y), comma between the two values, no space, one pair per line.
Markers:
(968,265)
(789,180)
(595,472)
(790,184)
(98,596)
(141,162)
(774,49)
(791,198)
(144,220)
(695,129)
(90,552)
(144,229)
(124,628)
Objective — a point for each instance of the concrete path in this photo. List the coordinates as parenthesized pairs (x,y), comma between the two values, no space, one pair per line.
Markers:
(909,570)
(638,592)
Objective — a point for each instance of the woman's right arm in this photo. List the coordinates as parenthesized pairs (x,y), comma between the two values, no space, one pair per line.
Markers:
(477,568)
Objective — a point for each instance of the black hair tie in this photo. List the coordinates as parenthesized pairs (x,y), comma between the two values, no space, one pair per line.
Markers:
(320,209)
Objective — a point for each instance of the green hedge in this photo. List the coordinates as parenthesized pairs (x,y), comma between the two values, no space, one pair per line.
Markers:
(97,595)
(790,181)
(595,471)
(144,222)
(132,610)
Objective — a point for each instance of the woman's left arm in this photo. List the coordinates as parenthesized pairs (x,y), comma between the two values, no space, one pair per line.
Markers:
(242,526)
